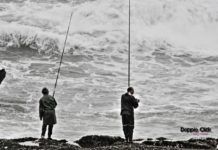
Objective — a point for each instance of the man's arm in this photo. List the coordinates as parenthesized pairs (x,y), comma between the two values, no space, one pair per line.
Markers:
(121,104)
(55,102)
(135,102)
(41,110)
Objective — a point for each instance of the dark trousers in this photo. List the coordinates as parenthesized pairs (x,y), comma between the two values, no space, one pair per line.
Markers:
(50,128)
(128,126)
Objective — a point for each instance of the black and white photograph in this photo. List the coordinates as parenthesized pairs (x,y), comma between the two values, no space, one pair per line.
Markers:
(108,74)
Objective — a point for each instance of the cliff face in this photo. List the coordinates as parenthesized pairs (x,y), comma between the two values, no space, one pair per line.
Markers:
(94,142)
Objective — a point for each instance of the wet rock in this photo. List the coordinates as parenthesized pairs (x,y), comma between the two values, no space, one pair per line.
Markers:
(8,144)
(26,139)
(161,139)
(212,142)
(134,146)
(149,143)
(15,144)
(138,140)
(208,143)
(190,145)
(96,141)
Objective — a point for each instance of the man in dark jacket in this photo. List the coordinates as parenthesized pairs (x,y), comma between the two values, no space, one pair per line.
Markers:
(128,103)
(47,106)
(2,75)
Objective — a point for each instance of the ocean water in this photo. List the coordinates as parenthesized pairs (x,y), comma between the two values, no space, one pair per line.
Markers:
(174,66)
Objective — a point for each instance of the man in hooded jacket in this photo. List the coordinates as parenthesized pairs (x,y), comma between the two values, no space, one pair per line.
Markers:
(128,103)
(47,105)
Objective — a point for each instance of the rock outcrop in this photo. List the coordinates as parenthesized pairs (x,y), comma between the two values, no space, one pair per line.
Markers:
(208,143)
(95,142)
(44,144)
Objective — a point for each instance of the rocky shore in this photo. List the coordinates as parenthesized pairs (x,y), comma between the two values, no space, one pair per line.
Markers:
(95,142)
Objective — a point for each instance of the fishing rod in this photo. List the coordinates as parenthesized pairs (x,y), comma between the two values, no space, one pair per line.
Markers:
(59,68)
(129,40)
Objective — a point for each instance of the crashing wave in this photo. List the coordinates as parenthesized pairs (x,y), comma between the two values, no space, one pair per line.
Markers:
(191,24)
(17,40)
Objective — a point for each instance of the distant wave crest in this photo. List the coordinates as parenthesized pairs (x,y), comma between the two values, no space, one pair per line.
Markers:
(18,40)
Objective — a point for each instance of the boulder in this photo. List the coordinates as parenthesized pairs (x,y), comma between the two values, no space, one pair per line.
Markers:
(97,141)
